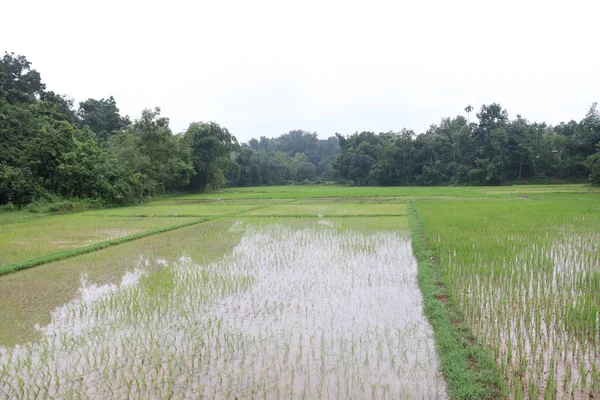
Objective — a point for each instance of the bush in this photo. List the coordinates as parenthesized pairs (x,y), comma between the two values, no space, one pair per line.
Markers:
(57,205)
(8,207)
(594,166)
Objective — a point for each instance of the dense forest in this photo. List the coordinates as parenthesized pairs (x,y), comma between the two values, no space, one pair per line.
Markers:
(51,148)
(494,151)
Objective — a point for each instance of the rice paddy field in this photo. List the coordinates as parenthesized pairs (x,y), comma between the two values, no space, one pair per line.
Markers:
(307,292)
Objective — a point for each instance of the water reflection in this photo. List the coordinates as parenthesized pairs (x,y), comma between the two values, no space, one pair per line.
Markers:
(312,312)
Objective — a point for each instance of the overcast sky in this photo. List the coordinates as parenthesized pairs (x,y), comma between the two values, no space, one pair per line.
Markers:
(267,67)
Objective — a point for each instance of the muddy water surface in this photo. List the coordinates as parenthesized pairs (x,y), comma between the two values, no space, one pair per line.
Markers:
(313,312)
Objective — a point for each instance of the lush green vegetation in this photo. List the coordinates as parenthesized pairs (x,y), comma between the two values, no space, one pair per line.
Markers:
(508,275)
(526,274)
(344,191)
(493,151)
(331,210)
(29,297)
(49,150)
(304,235)
(176,209)
(60,156)
(33,239)
(468,367)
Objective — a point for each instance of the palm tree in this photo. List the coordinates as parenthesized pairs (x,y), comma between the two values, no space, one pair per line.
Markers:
(468,109)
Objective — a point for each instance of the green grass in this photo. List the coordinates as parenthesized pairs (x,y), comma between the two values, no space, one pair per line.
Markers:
(29,297)
(534,189)
(366,225)
(307,191)
(10,217)
(509,275)
(294,305)
(173,209)
(467,366)
(335,209)
(35,239)
(526,275)
(33,242)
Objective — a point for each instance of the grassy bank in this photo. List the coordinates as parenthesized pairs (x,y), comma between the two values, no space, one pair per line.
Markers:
(526,275)
(468,367)
(76,226)
(61,255)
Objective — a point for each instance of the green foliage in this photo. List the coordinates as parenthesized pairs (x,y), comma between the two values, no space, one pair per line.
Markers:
(516,267)
(48,150)
(57,205)
(101,116)
(297,156)
(18,82)
(594,166)
(163,160)
(467,366)
(8,208)
(16,185)
(210,144)
(494,151)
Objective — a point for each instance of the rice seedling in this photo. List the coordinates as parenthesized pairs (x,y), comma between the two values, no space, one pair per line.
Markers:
(333,209)
(35,238)
(292,311)
(28,297)
(341,191)
(173,210)
(526,277)
(320,300)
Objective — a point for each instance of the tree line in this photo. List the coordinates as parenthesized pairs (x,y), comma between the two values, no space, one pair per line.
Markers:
(494,151)
(50,147)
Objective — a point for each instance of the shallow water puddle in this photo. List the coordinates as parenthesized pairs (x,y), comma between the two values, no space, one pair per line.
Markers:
(310,312)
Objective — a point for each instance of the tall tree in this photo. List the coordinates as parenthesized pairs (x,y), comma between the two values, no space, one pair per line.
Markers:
(18,82)
(208,142)
(102,116)
(594,166)
(468,109)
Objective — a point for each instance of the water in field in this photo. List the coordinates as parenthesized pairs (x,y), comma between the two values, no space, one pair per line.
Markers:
(541,315)
(306,312)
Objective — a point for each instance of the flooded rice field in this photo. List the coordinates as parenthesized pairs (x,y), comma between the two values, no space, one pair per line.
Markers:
(34,238)
(307,310)
(541,315)
(528,281)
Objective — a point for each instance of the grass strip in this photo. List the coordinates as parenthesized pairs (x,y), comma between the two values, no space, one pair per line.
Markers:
(153,216)
(61,255)
(16,221)
(468,367)
(322,216)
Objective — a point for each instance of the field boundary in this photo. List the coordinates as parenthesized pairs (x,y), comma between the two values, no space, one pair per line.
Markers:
(322,216)
(61,255)
(468,367)
(155,216)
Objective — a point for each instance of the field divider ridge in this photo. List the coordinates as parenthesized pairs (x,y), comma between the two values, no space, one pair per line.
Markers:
(61,255)
(468,367)
(154,216)
(323,216)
